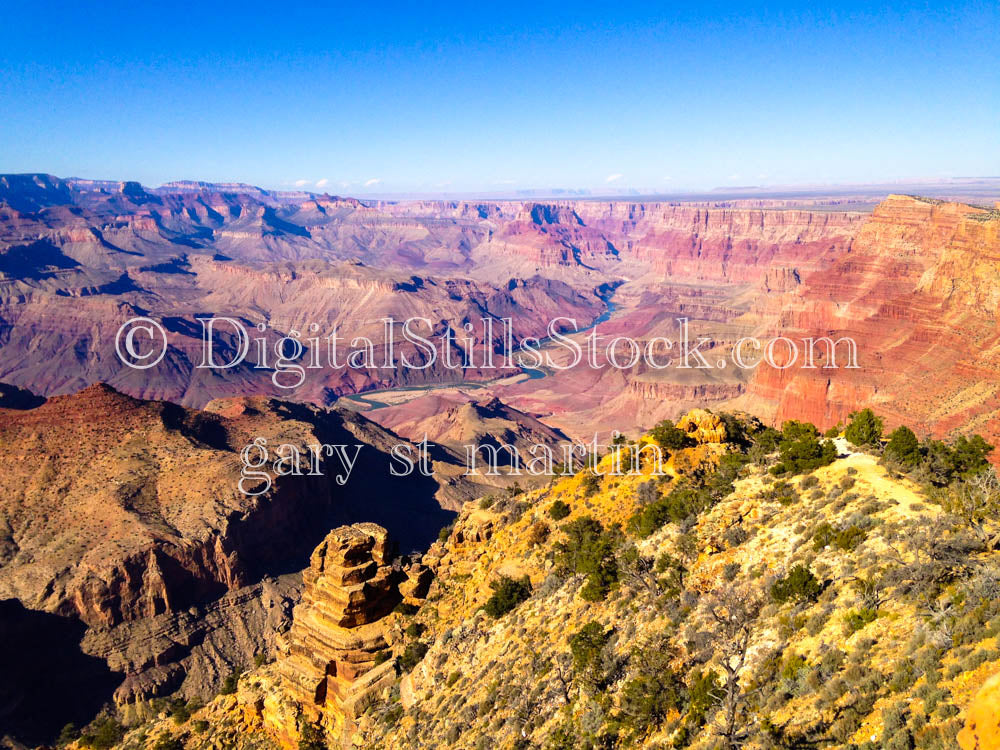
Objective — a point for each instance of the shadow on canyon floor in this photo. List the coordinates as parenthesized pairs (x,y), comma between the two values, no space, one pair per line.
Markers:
(45,680)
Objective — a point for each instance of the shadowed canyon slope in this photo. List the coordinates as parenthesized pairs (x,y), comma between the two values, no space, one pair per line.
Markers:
(717,605)
(124,517)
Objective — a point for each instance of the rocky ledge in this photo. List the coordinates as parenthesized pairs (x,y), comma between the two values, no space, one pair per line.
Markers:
(336,653)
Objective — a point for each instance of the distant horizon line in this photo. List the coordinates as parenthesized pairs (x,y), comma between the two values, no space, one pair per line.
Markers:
(735,192)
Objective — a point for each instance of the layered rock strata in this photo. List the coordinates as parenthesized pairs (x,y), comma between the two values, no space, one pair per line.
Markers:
(332,658)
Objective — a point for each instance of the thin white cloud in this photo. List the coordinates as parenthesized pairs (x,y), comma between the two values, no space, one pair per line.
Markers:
(372,181)
(322,183)
(613,177)
(301,183)
(734,177)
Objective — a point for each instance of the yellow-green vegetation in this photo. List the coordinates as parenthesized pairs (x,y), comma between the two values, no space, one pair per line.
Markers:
(767,593)
(775,589)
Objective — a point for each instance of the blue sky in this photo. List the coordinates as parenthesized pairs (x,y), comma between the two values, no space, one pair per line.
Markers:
(359,98)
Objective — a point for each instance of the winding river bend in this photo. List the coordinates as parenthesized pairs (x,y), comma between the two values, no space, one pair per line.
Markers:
(368,400)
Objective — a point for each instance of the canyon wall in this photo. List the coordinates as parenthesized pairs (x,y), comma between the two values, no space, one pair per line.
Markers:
(918,293)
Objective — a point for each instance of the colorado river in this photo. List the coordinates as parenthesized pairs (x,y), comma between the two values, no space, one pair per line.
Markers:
(365,399)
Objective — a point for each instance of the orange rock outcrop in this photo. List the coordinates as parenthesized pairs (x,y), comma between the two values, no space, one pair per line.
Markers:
(331,663)
(982,720)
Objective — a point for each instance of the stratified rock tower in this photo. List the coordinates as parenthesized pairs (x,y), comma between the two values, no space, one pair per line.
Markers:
(330,659)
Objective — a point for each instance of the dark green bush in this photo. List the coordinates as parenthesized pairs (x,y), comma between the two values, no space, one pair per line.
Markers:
(68,734)
(589,550)
(799,584)
(903,447)
(586,646)
(680,503)
(704,691)
(412,655)
(102,734)
(782,492)
(507,594)
(231,682)
(312,737)
(865,429)
(845,539)
(857,619)
(668,436)
(166,742)
(558,510)
(801,449)
(648,698)
(590,483)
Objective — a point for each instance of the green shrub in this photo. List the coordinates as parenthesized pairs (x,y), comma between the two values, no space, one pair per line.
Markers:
(845,539)
(231,682)
(405,608)
(507,594)
(589,550)
(538,533)
(179,710)
(312,737)
(704,691)
(412,655)
(968,456)
(558,510)
(590,483)
(68,734)
(102,734)
(792,666)
(668,436)
(586,646)
(680,503)
(903,447)
(857,619)
(648,698)
(799,584)
(865,429)
(563,738)
(782,492)
(166,742)
(670,574)
(391,717)
(801,450)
